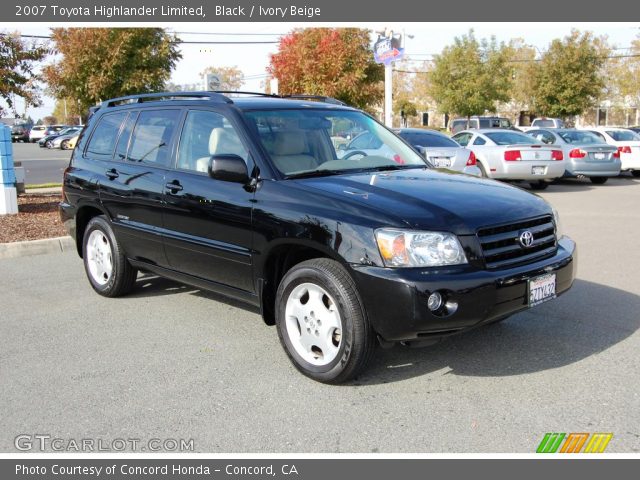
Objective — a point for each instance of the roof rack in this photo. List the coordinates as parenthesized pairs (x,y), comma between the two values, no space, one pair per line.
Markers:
(319,98)
(239,92)
(213,96)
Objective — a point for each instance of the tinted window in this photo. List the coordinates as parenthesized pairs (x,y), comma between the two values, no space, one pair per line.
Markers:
(463,138)
(580,137)
(428,140)
(510,138)
(105,134)
(623,135)
(151,138)
(543,136)
(206,134)
(479,141)
(600,136)
(123,141)
(546,123)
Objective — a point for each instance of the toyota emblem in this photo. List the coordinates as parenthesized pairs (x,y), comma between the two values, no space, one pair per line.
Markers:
(526,239)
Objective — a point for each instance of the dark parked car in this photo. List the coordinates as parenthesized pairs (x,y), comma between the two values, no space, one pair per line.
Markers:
(249,198)
(20,133)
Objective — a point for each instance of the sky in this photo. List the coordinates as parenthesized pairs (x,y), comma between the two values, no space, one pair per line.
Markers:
(422,39)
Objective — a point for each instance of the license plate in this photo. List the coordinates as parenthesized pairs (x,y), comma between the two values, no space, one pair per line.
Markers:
(441,162)
(542,289)
(599,156)
(537,170)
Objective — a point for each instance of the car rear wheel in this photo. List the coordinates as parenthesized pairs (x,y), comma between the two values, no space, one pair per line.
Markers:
(539,185)
(598,180)
(635,173)
(108,270)
(321,322)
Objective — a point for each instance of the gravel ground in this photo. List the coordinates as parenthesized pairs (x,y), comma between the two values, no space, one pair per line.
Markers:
(37,218)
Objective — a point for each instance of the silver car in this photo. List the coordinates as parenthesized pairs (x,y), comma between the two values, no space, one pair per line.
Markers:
(509,155)
(584,152)
(440,150)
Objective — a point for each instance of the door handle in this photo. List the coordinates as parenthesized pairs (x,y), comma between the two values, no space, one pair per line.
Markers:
(173,186)
(112,174)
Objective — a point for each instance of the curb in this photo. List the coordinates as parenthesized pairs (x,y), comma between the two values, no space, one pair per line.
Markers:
(36,247)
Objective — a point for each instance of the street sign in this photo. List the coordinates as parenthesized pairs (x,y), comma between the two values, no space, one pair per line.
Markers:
(388,48)
(211,82)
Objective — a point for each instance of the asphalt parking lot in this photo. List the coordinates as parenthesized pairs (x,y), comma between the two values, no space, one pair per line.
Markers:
(41,165)
(171,361)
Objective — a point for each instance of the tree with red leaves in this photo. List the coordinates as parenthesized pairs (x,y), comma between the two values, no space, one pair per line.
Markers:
(334,62)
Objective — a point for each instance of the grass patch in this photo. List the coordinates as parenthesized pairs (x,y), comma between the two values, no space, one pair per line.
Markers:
(42,185)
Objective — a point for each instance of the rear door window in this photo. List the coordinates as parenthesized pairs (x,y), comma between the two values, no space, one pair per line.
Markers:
(152,136)
(104,136)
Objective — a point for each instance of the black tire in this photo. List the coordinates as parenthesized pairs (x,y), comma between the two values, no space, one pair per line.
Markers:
(598,180)
(635,173)
(539,185)
(48,144)
(357,337)
(123,275)
(64,145)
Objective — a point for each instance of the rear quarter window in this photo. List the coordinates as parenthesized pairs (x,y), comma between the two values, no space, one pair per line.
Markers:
(103,139)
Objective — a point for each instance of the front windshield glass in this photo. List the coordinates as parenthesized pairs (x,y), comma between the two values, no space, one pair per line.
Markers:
(511,138)
(305,142)
(579,137)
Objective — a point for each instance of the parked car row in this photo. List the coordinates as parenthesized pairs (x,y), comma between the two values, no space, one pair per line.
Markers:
(61,138)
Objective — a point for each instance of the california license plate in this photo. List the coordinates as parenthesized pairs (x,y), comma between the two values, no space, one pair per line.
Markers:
(541,289)
(441,162)
(537,170)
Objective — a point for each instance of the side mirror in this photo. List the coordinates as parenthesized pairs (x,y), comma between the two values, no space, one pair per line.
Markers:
(228,168)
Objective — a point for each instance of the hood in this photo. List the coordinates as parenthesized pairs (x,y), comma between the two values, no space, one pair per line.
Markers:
(434,200)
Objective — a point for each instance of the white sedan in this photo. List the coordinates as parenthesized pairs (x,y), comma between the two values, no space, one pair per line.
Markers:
(628,143)
(510,155)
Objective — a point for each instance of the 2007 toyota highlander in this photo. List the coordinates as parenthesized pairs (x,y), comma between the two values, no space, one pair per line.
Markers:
(253,198)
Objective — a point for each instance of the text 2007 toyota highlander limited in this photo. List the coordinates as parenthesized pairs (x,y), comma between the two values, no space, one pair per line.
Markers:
(248,196)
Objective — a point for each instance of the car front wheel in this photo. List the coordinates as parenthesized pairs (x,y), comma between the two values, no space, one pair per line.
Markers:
(635,173)
(321,322)
(107,268)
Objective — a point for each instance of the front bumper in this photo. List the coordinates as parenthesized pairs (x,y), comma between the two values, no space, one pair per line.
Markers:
(396,299)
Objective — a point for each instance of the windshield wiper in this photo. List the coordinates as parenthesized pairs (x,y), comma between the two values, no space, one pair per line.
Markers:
(315,173)
(394,167)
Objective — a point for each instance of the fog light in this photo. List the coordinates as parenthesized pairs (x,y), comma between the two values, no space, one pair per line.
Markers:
(434,302)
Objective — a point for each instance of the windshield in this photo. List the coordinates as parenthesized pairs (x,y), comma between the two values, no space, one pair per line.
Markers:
(546,123)
(511,138)
(428,140)
(579,138)
(304,141)
(623,135)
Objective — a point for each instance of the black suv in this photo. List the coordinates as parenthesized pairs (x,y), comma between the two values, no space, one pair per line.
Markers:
(250,197)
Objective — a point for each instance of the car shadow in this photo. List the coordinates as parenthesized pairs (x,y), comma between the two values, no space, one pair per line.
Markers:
(587,320)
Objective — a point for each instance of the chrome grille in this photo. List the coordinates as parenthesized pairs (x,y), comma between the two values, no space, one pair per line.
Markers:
(501,245)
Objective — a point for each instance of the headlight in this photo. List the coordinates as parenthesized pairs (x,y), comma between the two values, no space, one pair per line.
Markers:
(419,249)
(556,220)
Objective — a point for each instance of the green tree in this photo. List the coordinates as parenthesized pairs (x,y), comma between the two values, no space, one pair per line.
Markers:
(470,77)
(523,68)
(17,70)
(101,63)
(569,79)
(231,78)
(336,62)
(625,77)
